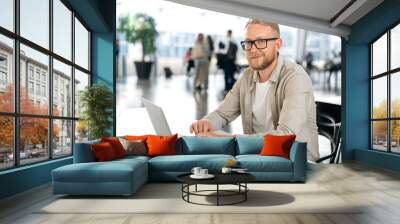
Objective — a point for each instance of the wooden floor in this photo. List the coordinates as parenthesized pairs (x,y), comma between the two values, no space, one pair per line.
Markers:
(377,188)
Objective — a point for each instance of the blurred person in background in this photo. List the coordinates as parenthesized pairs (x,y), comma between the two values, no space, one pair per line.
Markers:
(200,56)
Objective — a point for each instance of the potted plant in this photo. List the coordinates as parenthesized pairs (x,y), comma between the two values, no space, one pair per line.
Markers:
(96,102)
(140,28)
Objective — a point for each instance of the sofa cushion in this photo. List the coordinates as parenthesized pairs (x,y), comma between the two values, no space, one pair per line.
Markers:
(249,144)
(103,152)
(185,163)
(161,145)
(134,147)
(257,163)
(116,145)
(277,145)
(112,171)
(195,145)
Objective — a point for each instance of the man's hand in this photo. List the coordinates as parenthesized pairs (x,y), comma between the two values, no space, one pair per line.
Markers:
(201,126)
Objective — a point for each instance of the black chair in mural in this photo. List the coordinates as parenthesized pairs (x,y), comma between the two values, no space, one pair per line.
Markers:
(329,126)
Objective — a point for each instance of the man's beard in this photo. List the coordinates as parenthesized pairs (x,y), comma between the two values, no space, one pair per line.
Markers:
(264,64)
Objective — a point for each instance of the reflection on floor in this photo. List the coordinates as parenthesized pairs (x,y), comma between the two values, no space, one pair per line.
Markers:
(182,105)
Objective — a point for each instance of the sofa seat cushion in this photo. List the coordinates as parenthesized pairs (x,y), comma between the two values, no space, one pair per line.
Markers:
(185,163)
(257,163)
(112,171)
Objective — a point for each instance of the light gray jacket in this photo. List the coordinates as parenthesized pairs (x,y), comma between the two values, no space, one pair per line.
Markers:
(291,102)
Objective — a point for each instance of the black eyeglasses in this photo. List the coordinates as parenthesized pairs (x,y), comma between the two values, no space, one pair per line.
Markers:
(259,43)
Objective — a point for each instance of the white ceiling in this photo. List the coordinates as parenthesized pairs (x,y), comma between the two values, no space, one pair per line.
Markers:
(314,15)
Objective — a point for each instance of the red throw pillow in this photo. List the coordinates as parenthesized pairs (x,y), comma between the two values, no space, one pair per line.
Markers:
(103,152)
(161,145)
(277,145)
(116,145)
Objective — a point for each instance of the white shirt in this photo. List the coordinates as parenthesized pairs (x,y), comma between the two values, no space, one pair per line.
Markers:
(262,117)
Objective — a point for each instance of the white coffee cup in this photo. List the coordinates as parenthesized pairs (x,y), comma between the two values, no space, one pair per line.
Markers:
(226,170)
(196,170)
(203,172)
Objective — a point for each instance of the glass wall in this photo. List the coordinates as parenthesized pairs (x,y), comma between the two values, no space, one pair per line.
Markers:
(39,78)
(385,92)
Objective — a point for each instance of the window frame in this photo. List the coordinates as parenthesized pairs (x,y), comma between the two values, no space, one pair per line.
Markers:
(388,74)
(16,114)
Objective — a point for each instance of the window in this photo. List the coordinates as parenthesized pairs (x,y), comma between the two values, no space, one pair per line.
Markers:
(3,78)
(7,14)
(30,72)
(3,61)
(35,22)
(44,91)
(6,73)
(3,72)
(30,88)
(62,29)
(395,47)
(81,45)
(62,137)
(37,75)
(37,89)
(62,74)
(45,131)
(81,81)
(6,142)
(385,94)
(33,148)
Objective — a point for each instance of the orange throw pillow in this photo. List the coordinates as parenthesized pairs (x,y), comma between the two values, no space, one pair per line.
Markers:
(103,152)
(161,145)
(116,145)
(277,145)
(136,138)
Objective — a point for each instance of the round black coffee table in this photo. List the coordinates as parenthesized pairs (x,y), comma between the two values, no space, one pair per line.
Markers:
(238,179)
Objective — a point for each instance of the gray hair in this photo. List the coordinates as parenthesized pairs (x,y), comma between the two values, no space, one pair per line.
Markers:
(274,26)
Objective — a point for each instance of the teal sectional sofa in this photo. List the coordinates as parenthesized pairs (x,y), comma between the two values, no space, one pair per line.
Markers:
(125,176)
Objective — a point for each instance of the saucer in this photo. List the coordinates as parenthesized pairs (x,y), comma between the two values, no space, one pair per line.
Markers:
(208,176)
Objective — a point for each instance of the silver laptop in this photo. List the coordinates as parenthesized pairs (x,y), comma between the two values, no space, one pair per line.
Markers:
(157,118)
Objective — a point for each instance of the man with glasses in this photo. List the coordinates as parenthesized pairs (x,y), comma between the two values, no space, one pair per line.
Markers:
(273,96)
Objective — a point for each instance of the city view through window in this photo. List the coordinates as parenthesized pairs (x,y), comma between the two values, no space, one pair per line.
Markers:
(385,81)
(38,118)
